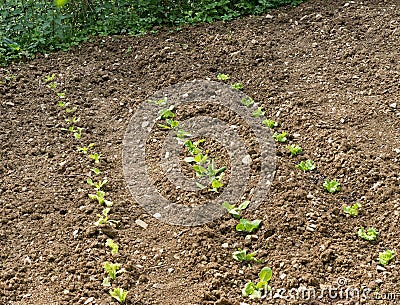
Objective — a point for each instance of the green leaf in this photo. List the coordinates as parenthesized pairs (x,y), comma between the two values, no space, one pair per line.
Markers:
(216,184)
(370,235)
(111,269)
(247,102)
(237,86)
(294,150)
(244,205)
(332,186)
(280,137)
(90,182)
(248,226)
(60,3)
(189,159)
(265,274)
(308,165)
(200,170)
(112,245)
(251,290)
(385,257)
(119,294)
(223,77)
(352,210)
(270,123)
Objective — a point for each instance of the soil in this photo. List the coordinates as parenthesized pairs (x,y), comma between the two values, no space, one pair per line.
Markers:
(327,70)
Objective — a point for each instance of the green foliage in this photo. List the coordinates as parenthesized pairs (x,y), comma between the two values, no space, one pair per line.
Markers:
(270,123)
(385,257)
(280,137)
(332,186)
(370,235)
(248,226)
(258,113)
(30,26)
(247,101)
(112,269)
(99,197)
(294,149)
(237,86)
(236,211)
(112,245)
(243,256)
(254,290)
(223,77)
(119,294)
(352,210)
(95,157)
(308,165)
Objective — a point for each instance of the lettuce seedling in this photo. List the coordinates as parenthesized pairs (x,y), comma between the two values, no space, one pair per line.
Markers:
(112,269)
(352,210)
(294,150)
(161,102)
(95,170)
(181,134)
(242,256)
(331,186)
(270,123)
(103,218)
(119,294)
(385,257)
(95,157)
(71,110)
(370,235)
(237,86)
(73,120)
(254,290)
(112,245)
(258,113)
(61,104)
(308,165)
(167,113)
(61,94)
(248,226)
(49,78)
(99,196)
(85,149)
(97,185)
(280,137)
(192,147)
(235,211)
(171,124)
(247,101)
(223,77)
(78,133)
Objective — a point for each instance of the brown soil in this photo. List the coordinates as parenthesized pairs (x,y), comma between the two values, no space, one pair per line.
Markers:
(328,71)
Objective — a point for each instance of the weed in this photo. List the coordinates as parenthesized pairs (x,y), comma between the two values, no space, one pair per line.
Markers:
(254,290)
(112,245)
(237,86)
(385,257)
(235,211)
(223,77)
(270,123)
(119,294)
(248,226)
(352,210)
(280,137)
(247,101)
(332,186)
(308,165)
(370,235)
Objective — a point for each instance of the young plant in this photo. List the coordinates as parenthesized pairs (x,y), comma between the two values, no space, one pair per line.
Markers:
(352,210)
(167,113)
(72,120)
(237,86)
(254,290)
(171,124)
(242,256)
(181,134)
(112,269)
(49,78)
(270,123)
(247,101)
(294,150)
(248,226)
(223,77)
(95,170)
(52,85)
(78,133)
(99,197)
(280,137)
(95,157)
(332,186)
(235,211)
(370,235)
(103,218)
(258,113)
(61,104)
(119,294)
(193,147)
(97,185)
(71,110)
(85,149)
(385,257)
(308,165)
(112,245)
(161,102)
(61,94)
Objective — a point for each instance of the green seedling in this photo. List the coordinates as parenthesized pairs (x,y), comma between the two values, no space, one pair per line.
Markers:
(254,290)
(248,226)
(242,256)
(247,101)
(71,110)
(294,150)
(112,245)
(61,104)
(352,210)
(236,211)
(223,77)
(161,102)
(72,120)
(78,133)
(171,124)
(270,123)
(112,269)
(85,149)
(49,78)
(280,137)
(370,235)
(52,85)
(95,170)
(258,113)
(193,147)
(167,113)
(308,165)
(385,257)
(99,197)
(216,183)
(237,86)
(181,134)
(332,186)
(119,294)
(95,157)
(103,217)
(97,185)
(61,94)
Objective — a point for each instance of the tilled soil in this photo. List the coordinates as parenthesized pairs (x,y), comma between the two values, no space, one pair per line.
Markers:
(327,71)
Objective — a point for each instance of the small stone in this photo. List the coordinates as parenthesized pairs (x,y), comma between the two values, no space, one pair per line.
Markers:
(268,16)
(157,215)
(310,229)
(282,276)
(141,223)
(10,104)
(89,300)
(296,135)
(380,268)
(393,105)
(246,160)
(170,270)
(75,233)
(225,245)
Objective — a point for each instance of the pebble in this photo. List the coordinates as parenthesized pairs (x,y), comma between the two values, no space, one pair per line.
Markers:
(380,268)
(170,270)
(225,245)
(246,160)
(89,300)
(141,223)
(393,105)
